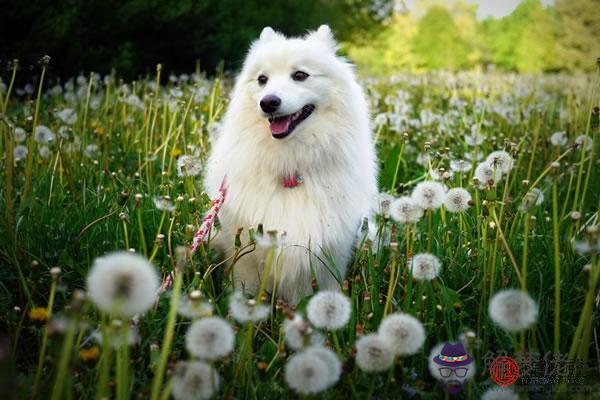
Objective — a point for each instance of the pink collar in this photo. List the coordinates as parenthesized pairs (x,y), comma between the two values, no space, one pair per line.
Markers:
(291,181)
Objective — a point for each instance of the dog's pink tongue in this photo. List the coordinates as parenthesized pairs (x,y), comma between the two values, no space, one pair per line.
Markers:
(280,125)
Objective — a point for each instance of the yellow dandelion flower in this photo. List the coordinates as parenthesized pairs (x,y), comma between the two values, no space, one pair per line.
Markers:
(38,314)
(175,153)
(89,355)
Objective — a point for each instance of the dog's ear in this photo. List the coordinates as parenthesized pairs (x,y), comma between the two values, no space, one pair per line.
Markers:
(267,34)
(324,35)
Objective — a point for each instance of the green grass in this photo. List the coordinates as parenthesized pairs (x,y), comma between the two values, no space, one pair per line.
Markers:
(71,207)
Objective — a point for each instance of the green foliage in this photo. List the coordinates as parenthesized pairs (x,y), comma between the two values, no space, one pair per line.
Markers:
(134,35)
(446,36)
(578,33)
(438,44)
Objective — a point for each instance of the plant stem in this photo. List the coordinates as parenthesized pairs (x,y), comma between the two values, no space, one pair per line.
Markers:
(168,338)
(556,244)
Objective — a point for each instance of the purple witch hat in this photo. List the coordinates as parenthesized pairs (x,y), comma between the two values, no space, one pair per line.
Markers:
(453,355)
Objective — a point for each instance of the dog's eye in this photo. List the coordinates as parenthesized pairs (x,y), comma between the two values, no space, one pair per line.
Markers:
(262,80)
(300,76)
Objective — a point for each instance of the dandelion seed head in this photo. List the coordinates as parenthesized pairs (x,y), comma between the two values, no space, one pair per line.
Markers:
(513,310)
(558,139)
(122,283)
(299,334)
(247,310)
(532,198)
(424,266)
(328,356)
(20,152)
(383,204)
(474,138)
(460,165)
(406,210)
(133,100)
(67,115)
(188,166)
(210,338)
(500,160)
(584,142)
(192,307)
(163,203)
(429,195)
(424,159)
(44,152)
(457,200)
(403,333)
(486,173)
(373,353)
(133,336)
(307,373)
(20,135)
(195,380)
(329,309)
(43,134)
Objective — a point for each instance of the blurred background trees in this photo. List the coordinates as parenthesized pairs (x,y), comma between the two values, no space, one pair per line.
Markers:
(132,36)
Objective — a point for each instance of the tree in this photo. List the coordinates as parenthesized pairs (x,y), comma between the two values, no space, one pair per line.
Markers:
(438,43)
(578,36)
(523,40)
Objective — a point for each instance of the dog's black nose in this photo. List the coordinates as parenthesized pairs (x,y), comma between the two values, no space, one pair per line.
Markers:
(270,103)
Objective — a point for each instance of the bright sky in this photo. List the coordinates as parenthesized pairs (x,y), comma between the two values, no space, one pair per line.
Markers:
(494,8)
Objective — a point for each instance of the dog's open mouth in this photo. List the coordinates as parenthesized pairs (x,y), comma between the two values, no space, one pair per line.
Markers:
(282,126)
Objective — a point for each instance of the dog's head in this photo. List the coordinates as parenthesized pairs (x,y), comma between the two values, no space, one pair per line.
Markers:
(287,83)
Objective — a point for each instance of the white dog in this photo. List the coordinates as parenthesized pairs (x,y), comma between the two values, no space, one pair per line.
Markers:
(297,152)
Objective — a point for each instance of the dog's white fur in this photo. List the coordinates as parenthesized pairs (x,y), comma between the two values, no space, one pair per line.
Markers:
(332,149)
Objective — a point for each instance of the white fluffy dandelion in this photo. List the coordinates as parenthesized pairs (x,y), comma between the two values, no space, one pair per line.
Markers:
(584,142)
(20,152)
(195,380)
(44,152)
(532,198)
(247,310)
(457,200)
(403,333)
(424,266)
(499,393)
(188,166)
(163,203)
(298,333)
(474,138)
(487,174)
(460,165)
(405,210)
(373,353)
(384,202)
(194,306)
(67,115)
(328,356)
(133,336)
(513,310)
(20,135)
(123,283)
(210,338)
(558,139)
(43,134)
(329,309)
(134,101)
(307,373)
(429,195)
(500,160)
